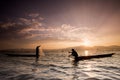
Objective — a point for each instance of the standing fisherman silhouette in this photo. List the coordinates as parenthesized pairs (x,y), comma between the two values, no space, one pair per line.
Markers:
(37,53)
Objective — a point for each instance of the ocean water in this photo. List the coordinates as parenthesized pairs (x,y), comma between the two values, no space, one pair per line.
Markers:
(58,66)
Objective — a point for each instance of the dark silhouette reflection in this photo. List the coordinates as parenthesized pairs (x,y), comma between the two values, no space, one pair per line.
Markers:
(75,76)
(75,64)
(35,66)
(37,53)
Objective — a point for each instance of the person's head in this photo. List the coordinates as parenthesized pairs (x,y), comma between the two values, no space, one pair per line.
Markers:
(73,50)
(38,46)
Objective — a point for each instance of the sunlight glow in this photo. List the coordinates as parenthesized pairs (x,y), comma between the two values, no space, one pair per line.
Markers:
(86,42)
(86,53)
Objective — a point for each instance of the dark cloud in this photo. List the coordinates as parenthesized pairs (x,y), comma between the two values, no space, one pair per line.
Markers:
(16,29)
(12,32)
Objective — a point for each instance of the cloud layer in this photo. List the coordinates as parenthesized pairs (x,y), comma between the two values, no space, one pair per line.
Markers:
(33,29)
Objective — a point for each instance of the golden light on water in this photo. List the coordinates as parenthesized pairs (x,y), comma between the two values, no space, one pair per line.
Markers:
(86,53)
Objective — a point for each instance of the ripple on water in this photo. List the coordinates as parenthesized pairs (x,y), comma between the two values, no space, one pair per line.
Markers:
(48,79)
(92,79)
(52,68)
(22,77)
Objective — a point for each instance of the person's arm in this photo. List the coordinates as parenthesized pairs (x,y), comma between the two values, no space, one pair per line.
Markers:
(70,54)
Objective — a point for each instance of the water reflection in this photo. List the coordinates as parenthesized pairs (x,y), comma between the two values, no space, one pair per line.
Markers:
(35,66)
(86,52)
(83,68)
(74,73)
(88,66)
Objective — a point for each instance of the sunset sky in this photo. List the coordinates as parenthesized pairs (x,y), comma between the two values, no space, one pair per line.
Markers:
(59,23)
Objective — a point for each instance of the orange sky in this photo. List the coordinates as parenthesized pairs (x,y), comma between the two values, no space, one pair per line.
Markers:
(59,23)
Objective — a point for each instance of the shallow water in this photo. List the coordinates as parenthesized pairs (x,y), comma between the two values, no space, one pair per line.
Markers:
(59,67)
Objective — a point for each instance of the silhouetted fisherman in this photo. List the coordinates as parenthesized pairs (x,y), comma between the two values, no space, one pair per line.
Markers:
(74,53)
(37,53)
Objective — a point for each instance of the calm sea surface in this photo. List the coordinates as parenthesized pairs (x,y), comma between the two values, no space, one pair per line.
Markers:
(58,66)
